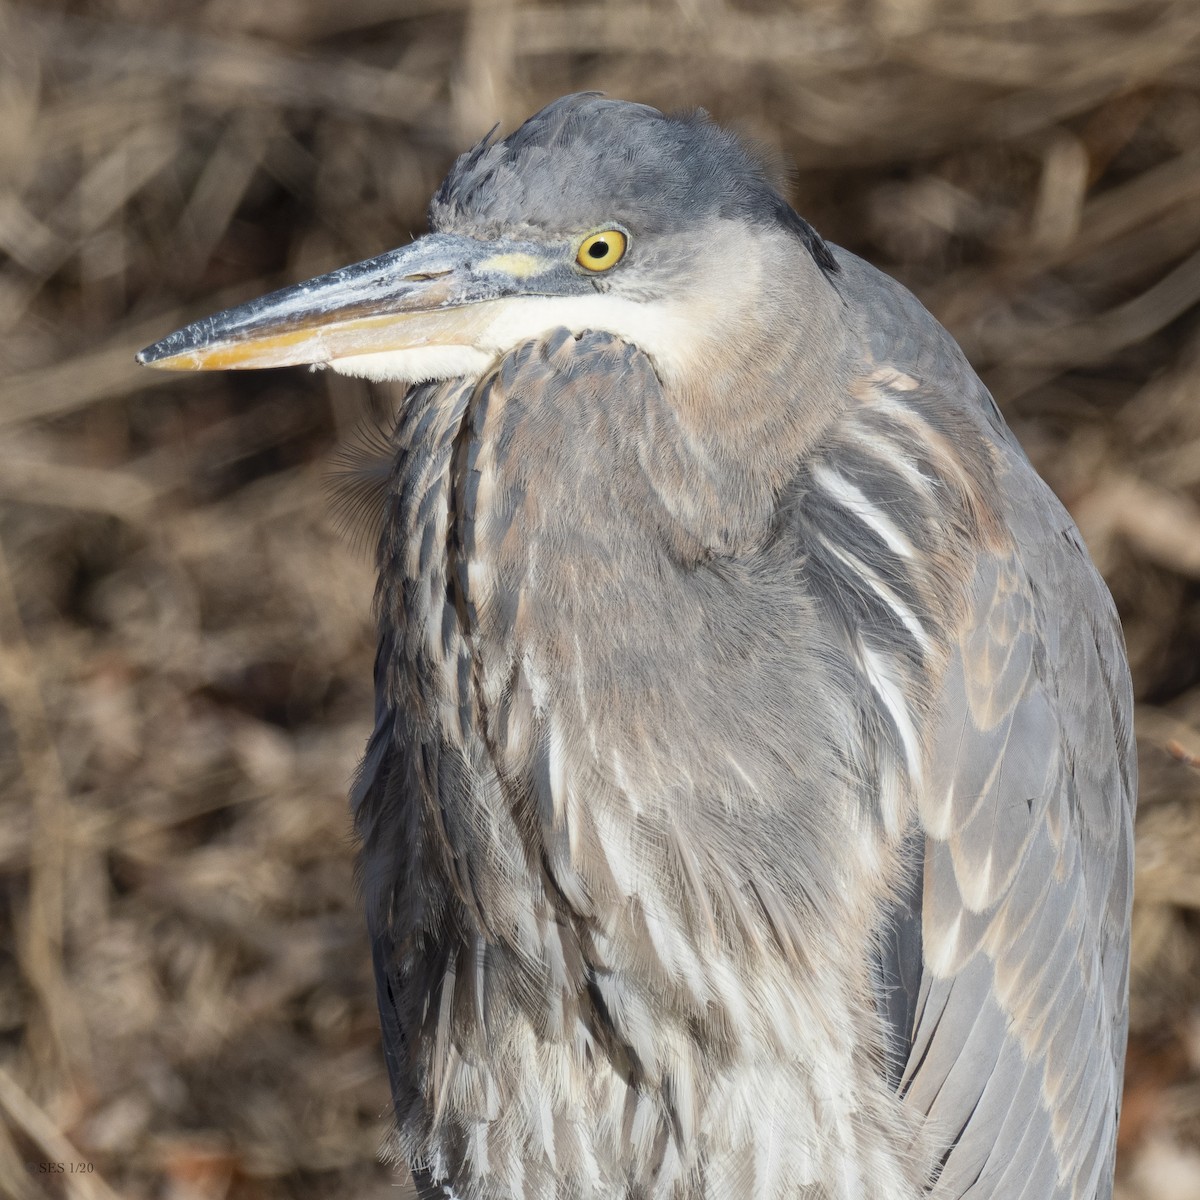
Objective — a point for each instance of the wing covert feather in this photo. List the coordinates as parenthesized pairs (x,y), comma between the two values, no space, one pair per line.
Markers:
(1017,1050)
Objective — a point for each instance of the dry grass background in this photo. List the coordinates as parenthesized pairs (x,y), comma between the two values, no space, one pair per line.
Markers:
(185,638)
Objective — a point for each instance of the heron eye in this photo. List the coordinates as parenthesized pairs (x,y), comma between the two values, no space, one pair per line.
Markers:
(602,250)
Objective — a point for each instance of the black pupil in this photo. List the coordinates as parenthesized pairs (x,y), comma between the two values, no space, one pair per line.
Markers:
(598,249)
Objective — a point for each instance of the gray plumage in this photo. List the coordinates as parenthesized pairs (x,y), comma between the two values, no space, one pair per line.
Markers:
(748,812)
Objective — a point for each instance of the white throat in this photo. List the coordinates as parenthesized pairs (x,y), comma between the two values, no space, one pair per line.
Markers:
(663,331)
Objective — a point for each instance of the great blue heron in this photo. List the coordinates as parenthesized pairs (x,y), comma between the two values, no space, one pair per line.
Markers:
(749,808)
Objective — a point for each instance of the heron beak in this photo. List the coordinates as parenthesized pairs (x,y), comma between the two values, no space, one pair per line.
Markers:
(431,297)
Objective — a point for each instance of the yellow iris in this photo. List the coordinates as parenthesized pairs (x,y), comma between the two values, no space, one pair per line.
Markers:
(602,250)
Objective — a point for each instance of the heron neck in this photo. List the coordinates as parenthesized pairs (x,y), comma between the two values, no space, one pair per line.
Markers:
(768,381)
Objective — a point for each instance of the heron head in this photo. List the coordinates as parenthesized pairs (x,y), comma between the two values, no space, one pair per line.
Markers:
(595,214)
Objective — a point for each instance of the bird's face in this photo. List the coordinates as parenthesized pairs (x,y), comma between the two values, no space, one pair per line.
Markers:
(594,215)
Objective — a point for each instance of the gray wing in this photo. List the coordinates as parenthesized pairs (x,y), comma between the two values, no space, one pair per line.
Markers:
(1015,1034)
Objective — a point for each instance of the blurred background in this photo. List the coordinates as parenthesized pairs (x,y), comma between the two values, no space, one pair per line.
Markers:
(186,1010)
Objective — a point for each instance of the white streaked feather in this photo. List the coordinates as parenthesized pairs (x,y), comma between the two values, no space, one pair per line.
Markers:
(448,722)
(941,949)
(768,1148)
(893,456)
(539,689)
(479,579)
(852,498)
(670,1171)
(433,605)
(938,816)
(891,692)
(737,766)
(674,949)
(725,981)
(891,797)
(625,783)
(645,1126)
(631,1018)
(905,614)
(514,1170)
(557,770)
(615,835)
(546,1128)
(581,695)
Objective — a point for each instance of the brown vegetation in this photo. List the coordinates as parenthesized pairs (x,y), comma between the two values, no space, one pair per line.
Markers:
(185,638)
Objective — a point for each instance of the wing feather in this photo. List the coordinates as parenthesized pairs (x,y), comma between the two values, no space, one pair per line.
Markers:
(1016,1054)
